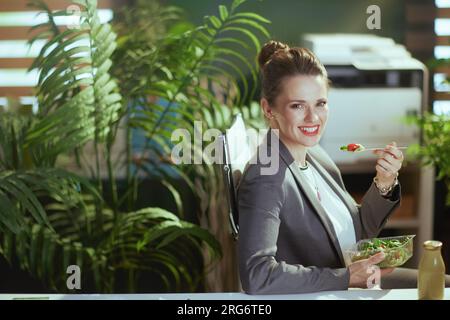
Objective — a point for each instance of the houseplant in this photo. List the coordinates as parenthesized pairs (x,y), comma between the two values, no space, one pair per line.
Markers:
(435,147)
(185,62)
(52,218)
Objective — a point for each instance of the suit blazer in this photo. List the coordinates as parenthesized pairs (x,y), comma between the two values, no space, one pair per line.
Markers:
(287,243)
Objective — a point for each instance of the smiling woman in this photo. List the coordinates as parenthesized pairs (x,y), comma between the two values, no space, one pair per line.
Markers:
(295,89)
(300,111)
(296,223)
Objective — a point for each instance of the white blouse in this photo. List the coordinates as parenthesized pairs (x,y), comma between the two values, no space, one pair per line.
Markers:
(334,207)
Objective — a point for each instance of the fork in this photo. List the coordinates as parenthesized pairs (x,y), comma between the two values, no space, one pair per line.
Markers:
(372,149)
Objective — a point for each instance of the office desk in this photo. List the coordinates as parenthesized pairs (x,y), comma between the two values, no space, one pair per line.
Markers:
(353,294)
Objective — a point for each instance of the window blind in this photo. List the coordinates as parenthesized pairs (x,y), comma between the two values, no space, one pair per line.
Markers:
(441,88)
(16,18)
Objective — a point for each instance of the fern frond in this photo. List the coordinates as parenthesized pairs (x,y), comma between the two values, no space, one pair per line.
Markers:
(78,99)
(156,236)
(20,193)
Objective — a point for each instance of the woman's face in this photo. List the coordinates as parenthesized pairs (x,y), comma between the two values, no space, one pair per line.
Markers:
(300,111)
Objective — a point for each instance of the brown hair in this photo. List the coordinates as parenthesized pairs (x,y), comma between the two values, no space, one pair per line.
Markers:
(277,61)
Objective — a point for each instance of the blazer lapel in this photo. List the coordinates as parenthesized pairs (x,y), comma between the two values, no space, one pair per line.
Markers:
(345,197)
(310,194)
(320,211)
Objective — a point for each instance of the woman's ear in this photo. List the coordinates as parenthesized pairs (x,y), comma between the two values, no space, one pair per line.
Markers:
(266,108)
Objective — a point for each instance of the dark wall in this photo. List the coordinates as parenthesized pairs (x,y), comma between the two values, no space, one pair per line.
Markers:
(442,221)
(291,18)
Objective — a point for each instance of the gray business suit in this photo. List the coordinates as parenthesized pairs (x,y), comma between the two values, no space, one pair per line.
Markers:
(287,243)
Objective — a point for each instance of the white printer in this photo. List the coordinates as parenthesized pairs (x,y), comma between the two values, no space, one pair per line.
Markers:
(375,84)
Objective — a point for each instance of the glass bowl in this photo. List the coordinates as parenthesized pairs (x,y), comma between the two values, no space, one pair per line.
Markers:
(397,250)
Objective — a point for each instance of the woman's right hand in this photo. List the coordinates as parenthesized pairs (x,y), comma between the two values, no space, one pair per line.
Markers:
(362,270)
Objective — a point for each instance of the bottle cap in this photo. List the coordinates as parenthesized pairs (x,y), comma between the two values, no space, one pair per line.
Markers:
(432,245)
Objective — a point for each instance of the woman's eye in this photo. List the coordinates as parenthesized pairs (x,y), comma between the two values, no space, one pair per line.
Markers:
(321,104)
(298,106)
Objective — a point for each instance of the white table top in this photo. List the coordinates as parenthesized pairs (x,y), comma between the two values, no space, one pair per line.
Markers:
(353,294)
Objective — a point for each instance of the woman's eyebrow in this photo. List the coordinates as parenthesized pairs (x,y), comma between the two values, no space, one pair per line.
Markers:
(300,100)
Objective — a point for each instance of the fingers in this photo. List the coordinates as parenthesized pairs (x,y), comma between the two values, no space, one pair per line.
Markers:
(389,161)
(376,258)
(386,271)
(364,272)
(384,152)
(389,158)
(392,150)
(382,172)
(386,172)
(391,167)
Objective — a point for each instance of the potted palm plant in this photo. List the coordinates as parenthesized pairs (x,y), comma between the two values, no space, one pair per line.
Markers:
(51,217)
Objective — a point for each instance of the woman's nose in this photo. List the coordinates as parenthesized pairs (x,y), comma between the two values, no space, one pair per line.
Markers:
(311,115)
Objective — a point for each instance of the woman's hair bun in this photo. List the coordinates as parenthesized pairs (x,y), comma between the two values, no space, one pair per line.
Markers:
(268,50)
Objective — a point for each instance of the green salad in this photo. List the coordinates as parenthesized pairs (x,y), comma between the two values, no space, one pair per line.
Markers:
(397,250)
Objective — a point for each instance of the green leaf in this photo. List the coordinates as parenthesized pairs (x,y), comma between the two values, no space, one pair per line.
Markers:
(236,4)
(247,33)
(20,191)
(250,23)
(223,12)
(212,33)
(250,15)
(237,70)
(175,195)
(232,40)
(7,216)
(215,22)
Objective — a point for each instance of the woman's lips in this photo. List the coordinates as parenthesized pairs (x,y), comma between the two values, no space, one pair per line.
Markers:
(309,130)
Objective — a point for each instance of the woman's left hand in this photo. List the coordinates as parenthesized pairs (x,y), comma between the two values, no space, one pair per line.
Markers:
(389,162)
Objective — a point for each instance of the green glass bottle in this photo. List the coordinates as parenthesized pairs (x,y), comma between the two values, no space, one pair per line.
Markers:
(431,275)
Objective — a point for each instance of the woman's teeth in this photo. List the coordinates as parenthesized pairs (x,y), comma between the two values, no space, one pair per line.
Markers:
(309,130)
